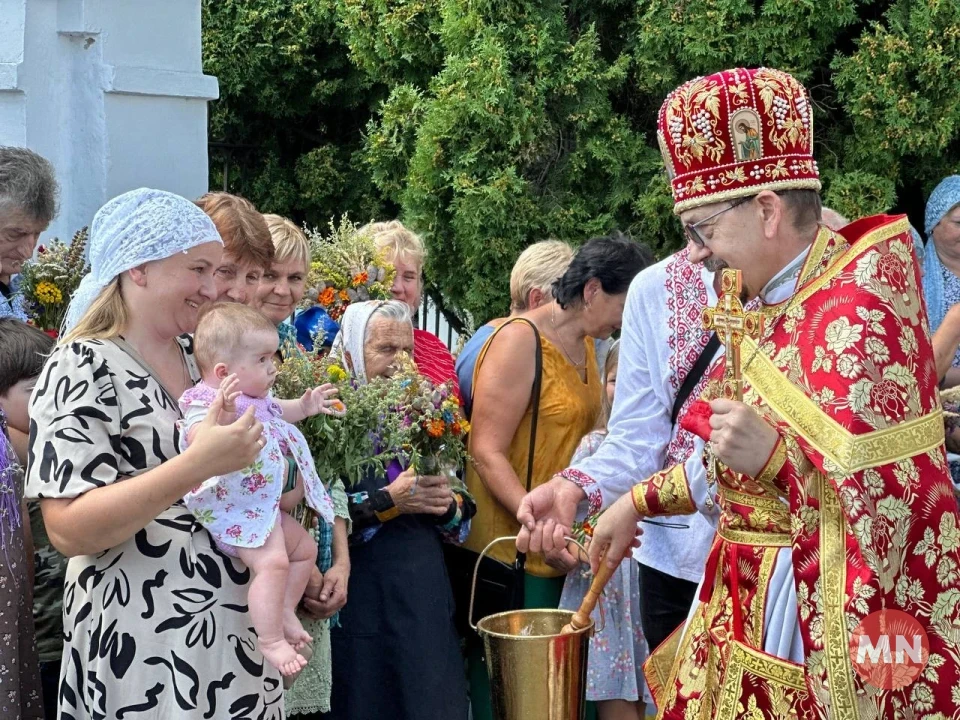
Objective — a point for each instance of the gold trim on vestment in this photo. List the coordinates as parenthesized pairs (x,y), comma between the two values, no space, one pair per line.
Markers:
(858,247)
(776,461)
(756,538)
(756,502)
(775,672)
(833,569)
(815,256)
(851,453)
(658,670)
(759,605)
(639,495)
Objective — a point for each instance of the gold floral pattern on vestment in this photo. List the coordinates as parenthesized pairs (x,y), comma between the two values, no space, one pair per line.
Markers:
(850,453)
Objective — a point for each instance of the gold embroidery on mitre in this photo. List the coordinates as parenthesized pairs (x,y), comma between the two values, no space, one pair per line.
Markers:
(691,118)
(667,158)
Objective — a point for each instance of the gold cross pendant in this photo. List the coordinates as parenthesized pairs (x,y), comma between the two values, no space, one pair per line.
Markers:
(731,323)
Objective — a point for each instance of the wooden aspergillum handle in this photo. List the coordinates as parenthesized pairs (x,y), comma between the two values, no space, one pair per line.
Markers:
(581,618)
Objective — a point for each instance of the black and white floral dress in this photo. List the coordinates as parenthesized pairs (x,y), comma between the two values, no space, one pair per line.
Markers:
(156,627)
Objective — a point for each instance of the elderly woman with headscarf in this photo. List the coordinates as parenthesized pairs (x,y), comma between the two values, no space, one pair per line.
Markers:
(396,652)
(941,276)
(155,616)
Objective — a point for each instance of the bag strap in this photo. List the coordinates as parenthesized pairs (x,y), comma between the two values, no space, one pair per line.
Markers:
(694,376)
(535,410)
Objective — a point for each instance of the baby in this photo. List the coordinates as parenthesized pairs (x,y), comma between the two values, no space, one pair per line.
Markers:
(235,347)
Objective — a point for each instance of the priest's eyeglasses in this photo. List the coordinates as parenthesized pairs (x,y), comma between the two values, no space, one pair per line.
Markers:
(693,233)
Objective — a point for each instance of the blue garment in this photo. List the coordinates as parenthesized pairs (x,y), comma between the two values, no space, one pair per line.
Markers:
(288,336)
(12,306)
(467,361)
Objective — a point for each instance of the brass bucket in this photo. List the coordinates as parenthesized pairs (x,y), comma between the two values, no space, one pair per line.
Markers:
(535,672)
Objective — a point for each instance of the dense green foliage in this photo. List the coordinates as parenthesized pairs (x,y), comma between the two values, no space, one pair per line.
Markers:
(489,124)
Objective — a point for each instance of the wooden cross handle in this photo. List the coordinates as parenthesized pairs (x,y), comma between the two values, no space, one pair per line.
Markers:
(581,618)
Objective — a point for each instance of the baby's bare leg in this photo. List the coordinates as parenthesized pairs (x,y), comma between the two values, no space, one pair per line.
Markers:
(265,599)
(302,554)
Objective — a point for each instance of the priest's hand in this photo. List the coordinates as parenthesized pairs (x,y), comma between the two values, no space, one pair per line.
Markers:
(617,529)
(740,438)
(546,515)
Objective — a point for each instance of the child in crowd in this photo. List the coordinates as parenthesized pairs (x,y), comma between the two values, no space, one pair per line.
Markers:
(23,350)
(617,651)
(235,347)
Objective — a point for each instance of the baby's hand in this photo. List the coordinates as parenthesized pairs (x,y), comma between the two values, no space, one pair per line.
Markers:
(322,399)
(228,389)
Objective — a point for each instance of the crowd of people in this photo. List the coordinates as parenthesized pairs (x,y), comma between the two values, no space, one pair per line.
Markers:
(151,487)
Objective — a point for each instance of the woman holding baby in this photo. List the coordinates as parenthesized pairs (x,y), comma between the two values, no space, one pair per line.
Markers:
(155,614)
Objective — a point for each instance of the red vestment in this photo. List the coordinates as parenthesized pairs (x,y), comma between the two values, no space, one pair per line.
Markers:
(856,498)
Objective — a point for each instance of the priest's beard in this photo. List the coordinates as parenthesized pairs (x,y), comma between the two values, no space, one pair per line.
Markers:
(715,265)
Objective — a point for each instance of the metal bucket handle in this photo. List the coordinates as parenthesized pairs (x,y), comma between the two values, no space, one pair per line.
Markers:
(476,570)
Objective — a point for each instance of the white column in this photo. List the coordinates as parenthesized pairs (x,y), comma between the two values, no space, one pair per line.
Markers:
(111,92)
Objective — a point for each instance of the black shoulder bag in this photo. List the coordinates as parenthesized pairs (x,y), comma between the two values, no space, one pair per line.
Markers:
(499,585)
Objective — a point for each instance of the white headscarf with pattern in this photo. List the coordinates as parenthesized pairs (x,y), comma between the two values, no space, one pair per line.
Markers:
(132,229)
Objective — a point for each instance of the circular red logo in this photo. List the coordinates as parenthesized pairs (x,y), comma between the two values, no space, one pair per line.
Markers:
(889,649)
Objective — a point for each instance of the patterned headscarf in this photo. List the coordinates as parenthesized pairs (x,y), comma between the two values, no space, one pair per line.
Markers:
(350,339)
(943,198)
(135,228)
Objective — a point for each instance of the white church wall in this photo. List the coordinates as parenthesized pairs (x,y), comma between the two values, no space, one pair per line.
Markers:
(111,92)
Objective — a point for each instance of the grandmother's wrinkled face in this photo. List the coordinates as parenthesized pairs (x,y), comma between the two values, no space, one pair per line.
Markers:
(946,233)
(19,234)
(168,293)
(385,339)
(237,281)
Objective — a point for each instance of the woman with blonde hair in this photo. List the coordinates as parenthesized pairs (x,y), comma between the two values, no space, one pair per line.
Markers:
(405,250)
(155,616)
(531,285)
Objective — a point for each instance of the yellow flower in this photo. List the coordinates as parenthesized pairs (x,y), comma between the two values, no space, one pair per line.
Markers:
(336,373)
(48,293)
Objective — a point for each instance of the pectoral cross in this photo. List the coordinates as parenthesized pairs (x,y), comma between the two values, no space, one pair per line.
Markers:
(731,323)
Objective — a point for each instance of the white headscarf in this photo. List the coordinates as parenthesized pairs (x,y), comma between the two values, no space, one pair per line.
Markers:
(353,331)
(135,228)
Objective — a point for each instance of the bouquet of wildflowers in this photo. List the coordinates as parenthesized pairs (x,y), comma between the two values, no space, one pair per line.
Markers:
(48,282)
(434,426)
(366,437)
(345,267)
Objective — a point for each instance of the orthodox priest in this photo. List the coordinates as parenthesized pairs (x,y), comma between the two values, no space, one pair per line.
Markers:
(824,454)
